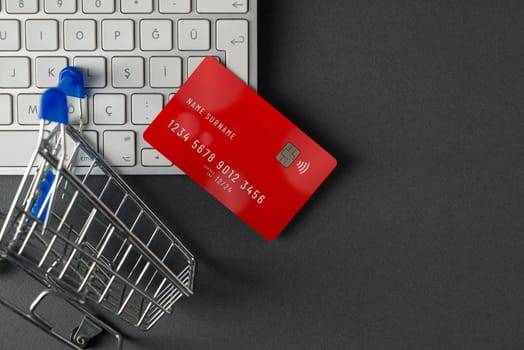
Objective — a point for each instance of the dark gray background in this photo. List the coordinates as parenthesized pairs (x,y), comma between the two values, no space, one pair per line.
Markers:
(417,240)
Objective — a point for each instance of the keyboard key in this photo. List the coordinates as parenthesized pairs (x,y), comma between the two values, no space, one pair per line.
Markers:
(194,34)
(9,35)
(22,6)
(16,147)
(151,157)
(77,108)
(119,148)
(6,106)
(165,72)
(232,37)
(171,96)
(48,69)
(109,109)
(118,35)
(28,107)
(156,35)
(98,6)
(128,72)
(94,69)
(81,158)
(136,6)
(222,6)
(14,72)
(194,62)
(59,6)
(145,107)
(80,35)
(91,137)
(172,6)
(41,35)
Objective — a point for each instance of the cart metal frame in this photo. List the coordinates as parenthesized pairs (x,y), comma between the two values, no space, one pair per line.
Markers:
(78,228)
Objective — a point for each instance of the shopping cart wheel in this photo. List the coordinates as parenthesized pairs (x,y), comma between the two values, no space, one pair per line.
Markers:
(85,332)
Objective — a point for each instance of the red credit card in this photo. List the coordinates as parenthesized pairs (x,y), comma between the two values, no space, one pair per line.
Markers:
(239,148)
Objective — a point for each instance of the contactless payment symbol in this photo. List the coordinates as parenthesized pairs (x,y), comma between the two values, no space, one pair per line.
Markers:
(303,167)
(287,156)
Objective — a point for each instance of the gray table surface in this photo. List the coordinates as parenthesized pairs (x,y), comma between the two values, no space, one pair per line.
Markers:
(416,241)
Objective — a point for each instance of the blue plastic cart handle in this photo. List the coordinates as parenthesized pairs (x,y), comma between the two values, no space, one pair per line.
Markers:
(71,82)
(53,106)
(44,187)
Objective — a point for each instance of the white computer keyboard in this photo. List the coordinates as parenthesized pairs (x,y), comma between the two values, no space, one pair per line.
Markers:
(135,54)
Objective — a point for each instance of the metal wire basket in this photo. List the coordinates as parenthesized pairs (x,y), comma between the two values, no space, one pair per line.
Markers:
(78,228)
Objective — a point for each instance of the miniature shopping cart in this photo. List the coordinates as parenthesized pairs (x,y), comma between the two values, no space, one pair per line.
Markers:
(77,227)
